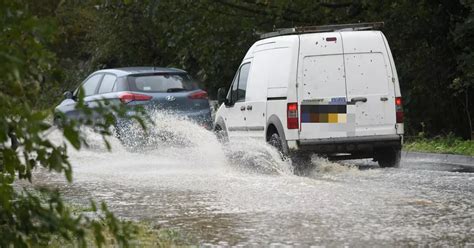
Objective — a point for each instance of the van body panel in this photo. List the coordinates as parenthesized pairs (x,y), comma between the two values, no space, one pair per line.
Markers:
(393,68)
(235,120)
(234,115)
(322,87)
(256,96)
(345,84)
(399,127)
(277,93)
(273,66)
(278,108)
(369,77)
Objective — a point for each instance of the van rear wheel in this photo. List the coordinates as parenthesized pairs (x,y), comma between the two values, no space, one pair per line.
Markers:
(275,141)
(301,161)
(221,134)
(388,157)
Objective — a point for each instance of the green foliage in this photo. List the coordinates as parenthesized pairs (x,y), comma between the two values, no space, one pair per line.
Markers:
(431,42)
(30,217)
(441,144)
(40,217)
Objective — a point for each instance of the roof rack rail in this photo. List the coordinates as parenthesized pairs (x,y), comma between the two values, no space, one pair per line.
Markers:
(325,28)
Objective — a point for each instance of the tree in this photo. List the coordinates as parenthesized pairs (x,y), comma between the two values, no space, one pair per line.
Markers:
(34,217)
(464,82)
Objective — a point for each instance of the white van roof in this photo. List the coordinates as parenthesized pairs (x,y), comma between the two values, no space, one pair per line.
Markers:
(272,43)
(291,40)
(324,28)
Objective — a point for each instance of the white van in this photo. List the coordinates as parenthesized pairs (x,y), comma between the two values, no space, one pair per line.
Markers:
(331,90)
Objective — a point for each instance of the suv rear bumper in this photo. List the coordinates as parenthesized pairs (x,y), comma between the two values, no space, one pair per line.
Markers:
(359,144)
(201,117)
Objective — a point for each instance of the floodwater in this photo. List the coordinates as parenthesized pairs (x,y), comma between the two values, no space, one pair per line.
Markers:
(243,194)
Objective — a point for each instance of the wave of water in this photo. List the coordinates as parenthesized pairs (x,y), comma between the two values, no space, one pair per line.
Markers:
(174,144)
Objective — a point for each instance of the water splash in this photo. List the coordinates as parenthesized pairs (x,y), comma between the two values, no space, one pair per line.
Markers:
(255,156)
(323,165)
(180,145)
(174,144)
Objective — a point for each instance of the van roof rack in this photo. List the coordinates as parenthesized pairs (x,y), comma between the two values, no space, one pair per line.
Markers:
(324,28)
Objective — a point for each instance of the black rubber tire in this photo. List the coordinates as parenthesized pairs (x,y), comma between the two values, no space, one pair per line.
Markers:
(275,141)
(388,157)
(221,134)
(300,161)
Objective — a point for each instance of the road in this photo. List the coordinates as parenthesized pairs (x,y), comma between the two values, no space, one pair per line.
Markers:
(242,194)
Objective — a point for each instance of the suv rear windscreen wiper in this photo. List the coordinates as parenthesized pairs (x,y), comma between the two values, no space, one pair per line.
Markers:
(175,90)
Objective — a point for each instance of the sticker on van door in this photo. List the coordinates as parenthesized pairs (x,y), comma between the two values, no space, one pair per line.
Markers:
(338,100)
(334,111)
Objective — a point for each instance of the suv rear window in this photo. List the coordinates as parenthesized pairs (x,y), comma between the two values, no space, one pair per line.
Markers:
(161,82)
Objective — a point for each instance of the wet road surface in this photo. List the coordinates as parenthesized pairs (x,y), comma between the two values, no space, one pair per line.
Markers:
(242,194)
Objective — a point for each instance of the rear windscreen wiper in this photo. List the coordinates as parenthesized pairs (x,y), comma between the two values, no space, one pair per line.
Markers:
(175,90)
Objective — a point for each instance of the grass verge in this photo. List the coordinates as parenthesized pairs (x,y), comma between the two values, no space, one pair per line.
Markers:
(447,144)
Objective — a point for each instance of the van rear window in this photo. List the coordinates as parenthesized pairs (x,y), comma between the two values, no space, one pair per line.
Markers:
(161,82)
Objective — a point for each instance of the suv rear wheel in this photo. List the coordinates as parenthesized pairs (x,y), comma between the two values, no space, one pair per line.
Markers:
(388,157)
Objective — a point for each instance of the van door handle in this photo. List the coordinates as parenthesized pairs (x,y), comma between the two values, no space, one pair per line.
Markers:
(358,99)
(242,108)
(383,99)
(249,107)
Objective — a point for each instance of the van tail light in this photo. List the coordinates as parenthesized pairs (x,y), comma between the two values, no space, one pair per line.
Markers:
(292,115)
(198,95)
(130,97)
(399,109)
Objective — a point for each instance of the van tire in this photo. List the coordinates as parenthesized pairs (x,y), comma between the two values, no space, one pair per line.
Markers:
(221,134)
(275,141)
(300,161)
(388,157)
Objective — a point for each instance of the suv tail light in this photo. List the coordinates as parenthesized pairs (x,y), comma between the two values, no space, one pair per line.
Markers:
(399,109)
(129,97)
(292,115)
(198,95)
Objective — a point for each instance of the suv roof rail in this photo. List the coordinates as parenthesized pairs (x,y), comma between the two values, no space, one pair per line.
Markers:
(324,28)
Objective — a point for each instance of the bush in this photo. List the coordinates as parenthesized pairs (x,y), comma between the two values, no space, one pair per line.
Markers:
(34,217)
(441,144)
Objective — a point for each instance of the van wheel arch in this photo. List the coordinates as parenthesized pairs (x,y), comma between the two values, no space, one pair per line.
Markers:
(274,126)
(221,131)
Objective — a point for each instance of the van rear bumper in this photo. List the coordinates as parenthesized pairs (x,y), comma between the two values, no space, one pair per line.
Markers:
(349,144)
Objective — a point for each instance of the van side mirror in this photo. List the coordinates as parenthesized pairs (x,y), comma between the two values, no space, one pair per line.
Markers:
(68,95)
(221,96)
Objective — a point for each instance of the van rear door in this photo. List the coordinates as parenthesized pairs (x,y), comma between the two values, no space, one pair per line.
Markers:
(322,87)
(370,90)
